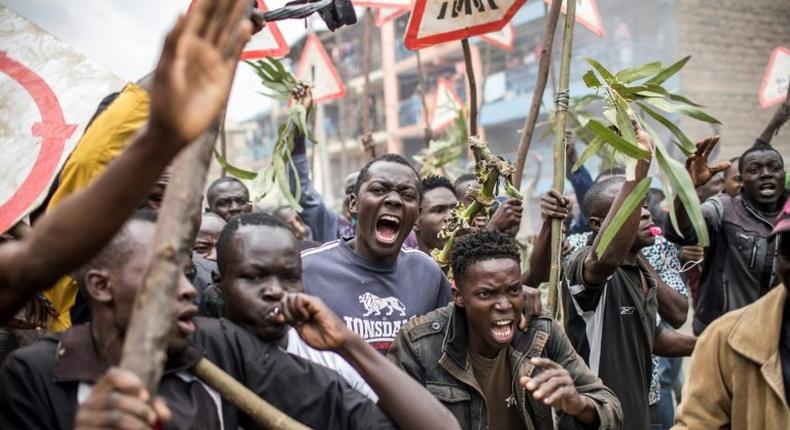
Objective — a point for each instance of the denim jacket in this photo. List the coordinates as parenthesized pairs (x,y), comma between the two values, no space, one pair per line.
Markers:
(433,350)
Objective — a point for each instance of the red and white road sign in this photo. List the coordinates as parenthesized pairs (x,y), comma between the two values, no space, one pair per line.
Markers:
(399,4)
(438,21)
(504,38)
(385,15)
(49,93)
(316,67)
(446,105)
(773,90)
(587,14)
(268,42)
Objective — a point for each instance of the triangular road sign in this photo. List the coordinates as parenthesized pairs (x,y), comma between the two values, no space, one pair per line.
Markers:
(504,38)
(446,105)
(374,4)
(385,15)
(587,14)
(773,90)
(268,42)
(316,67)
(438,21)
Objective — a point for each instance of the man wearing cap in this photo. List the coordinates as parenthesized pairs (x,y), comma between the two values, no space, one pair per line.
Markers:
(740,370)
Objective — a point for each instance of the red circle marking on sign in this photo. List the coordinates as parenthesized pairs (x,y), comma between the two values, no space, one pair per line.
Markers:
(52,130)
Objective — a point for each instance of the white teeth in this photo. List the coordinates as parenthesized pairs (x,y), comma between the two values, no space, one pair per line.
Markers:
(390,218)
(502,323)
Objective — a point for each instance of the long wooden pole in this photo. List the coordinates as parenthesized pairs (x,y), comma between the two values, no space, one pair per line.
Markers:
(367,138)
(145,346)
(544,65)
(243,398)
(561,110)
(422,89)
(470,76)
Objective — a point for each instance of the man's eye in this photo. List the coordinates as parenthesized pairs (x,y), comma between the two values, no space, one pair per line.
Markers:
(515,289)
(484,294)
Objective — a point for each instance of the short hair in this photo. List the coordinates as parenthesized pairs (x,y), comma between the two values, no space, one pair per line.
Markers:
(225,241)
(466,177)
(220,181)
(432,182)
(116,251)
(481,245)
(392,158)
(757,147)
(598,191)
(612,171)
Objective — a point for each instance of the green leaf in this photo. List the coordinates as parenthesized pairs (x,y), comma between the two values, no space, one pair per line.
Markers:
(681,183)
(589,151)
(624,121)
(685,144)
(233,170)
(616,140)
(688,111)
(591,80)
(632,74)
(668,72)
(655,90)
(607,75)
(632,202)
(670,199)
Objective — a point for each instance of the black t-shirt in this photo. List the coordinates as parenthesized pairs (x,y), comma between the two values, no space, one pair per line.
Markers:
(612,326)
(784,348)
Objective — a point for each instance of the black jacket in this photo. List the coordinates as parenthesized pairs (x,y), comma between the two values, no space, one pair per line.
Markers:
(39,383)
(739,264)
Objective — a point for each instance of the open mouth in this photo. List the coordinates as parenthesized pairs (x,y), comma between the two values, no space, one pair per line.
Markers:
(184,320)
(502,331)
(387,228)
(767,189)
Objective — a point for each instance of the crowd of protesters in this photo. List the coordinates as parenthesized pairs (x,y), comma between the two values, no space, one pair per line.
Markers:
(342,319)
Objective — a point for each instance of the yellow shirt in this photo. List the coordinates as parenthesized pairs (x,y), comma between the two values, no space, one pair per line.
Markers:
(104,140)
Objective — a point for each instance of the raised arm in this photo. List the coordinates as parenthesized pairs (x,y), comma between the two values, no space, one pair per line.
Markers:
(777,121)
(321,219)
(552,206)
(598,268)
(701,173)
(404,400)
(191,84)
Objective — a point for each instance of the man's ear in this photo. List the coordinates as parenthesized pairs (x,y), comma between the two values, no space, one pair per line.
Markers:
(458,299)
(97,285)
(595,223)
(352,204)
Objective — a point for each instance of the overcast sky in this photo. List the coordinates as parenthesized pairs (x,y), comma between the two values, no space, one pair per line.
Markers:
(125,37)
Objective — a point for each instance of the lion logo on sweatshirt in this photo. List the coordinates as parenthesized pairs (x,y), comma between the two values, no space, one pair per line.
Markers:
(374,305)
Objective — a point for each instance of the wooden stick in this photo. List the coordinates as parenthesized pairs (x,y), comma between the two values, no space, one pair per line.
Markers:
(470,76)
(144,349)
(266,415)
(561,111)
(540,87)
(421,89)
(367,139)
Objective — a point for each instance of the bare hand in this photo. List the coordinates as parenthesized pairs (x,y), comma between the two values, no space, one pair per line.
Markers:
(507,218)
(195,72)
(781,116)
(554,387)
(119,401)
(553,205)
(643,140)
(692,253)
(697,163)
(317,325)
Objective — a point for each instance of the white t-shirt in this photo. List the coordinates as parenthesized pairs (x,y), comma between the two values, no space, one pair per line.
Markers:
(330,360)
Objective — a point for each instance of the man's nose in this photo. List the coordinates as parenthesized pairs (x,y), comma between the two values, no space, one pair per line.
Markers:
(186,291)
